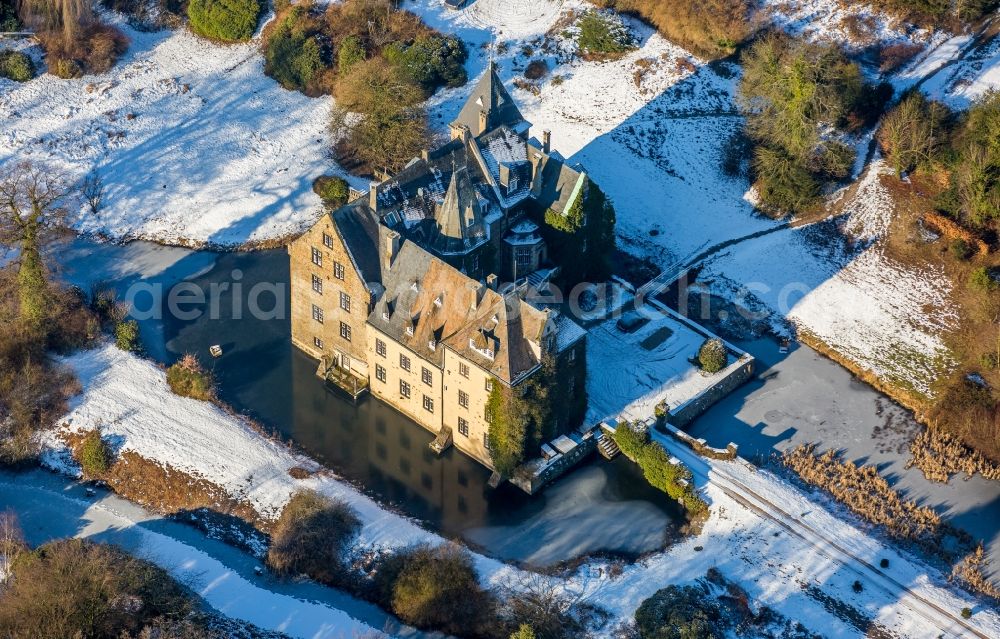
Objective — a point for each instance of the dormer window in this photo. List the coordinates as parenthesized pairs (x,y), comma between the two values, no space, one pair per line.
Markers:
(409,330)
(512,184)
(415,286)
(438,301)
(432,345)
(385,315)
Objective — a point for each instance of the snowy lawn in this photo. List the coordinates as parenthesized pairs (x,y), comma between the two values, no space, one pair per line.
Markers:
(129,400)
(628,374)
(193,142)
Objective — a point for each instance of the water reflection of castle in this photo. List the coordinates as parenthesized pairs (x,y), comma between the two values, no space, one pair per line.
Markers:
(387,453)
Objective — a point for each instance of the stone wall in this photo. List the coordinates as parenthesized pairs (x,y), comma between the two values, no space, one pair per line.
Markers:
(729,380)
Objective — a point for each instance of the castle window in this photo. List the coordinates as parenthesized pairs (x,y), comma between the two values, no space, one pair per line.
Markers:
(404,362)
(489,384)
(404,389)
(425,376)
(318,343)
(428,404)
(463,399)
(486,441)
(338,270)
(463,369)
(317,314)
(345,331)
(327,241)
(380,347)
(571,356)
(317,284)
(345,302)
(463,427)
(380,373)
(317,256)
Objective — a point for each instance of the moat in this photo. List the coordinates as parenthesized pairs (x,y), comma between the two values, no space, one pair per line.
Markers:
(386,455)
(370,444)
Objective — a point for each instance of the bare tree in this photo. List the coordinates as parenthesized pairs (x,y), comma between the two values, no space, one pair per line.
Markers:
(93,191)
(11,542)
(31,199)
(52,15)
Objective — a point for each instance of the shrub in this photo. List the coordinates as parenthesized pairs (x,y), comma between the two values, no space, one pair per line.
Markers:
(350,52)
(93,48)
(893,56)
(8,16)
(188,379)
(312,536)
(225,20)
(883,563)
(65,69)
(982,279)
(603,35)
(127,336)
(435,588)
(292,53)
(708,28)
(94,455)
(536,70)
(680,612)
(960,249)
(16,66)
(966,613)
(430,61)
(78,588)
(673,479)
(712,355)
(857,586)
(333,190)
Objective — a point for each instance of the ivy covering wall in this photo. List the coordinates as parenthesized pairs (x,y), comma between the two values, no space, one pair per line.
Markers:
(673,479)
(549,403)
(581,240)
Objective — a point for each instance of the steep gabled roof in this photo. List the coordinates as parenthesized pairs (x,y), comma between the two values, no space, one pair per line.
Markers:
(459,217)
(427,296)
(555,184)
(358,227)
(490,96)
(505,338)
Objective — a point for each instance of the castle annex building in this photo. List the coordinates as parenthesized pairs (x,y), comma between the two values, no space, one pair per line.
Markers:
(399,292)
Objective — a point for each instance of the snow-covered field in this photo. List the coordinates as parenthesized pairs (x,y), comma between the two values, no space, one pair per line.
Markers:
(192,142)
(885,316)
(129,400)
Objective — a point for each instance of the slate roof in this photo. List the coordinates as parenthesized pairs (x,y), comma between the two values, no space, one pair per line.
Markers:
(459,217)
(441,305)
(359,228)
(555,184)
(491,96)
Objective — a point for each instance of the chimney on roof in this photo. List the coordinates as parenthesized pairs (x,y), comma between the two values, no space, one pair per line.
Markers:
(392,240)
(504,175)
(547,141)
(491,281)
(484,121)
(373,197)
(425,154)
(477,293)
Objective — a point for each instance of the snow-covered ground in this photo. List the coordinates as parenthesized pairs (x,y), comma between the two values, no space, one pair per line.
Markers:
(193,143)
(129,400)
(628,374)
(886,316)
